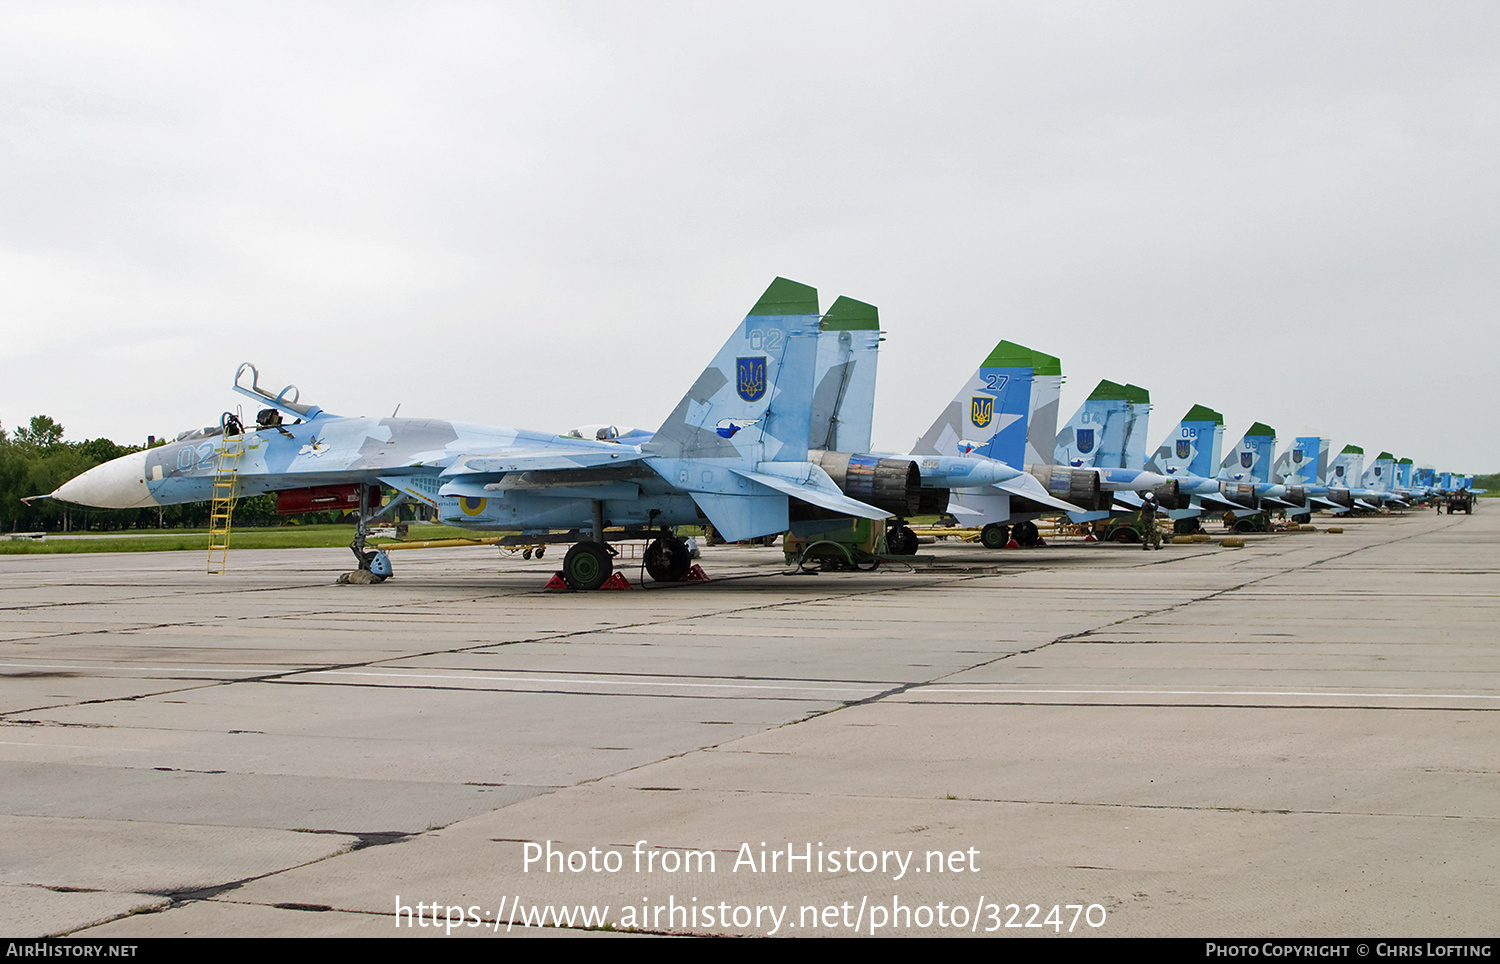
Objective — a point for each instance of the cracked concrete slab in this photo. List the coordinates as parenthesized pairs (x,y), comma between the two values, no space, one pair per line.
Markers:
(1296,738)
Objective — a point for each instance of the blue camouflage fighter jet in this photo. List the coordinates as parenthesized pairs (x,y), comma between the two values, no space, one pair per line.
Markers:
(734,452)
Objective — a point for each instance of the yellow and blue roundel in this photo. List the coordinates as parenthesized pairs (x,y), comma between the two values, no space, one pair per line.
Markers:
(472,506)
(750,378)
(982,410)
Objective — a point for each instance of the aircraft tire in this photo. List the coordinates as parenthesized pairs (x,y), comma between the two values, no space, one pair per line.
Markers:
(901,541)
(586,566)
(994,536)
(667,560)
(1124,534)
(1026,533)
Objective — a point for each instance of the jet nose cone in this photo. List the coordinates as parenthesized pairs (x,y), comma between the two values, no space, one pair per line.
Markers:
(120,484)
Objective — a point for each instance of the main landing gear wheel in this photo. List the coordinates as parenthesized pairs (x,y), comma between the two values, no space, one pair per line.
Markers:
(901,541)
(667,559)
(1027,534)
(994,536)
(587,565)
(1124,534)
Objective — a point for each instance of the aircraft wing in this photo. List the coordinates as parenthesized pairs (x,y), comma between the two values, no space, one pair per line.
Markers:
(542,460)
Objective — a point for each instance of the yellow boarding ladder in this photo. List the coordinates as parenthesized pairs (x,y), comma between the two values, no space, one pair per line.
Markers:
(226,491)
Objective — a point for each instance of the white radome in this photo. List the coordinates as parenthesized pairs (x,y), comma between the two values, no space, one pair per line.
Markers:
(119,484)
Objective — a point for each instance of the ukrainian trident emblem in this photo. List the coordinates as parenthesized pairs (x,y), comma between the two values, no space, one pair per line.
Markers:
(981,410)
(750,378)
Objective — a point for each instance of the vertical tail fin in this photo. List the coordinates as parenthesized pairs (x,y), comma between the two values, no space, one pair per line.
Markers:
(1046,398)
(1250,460)
(989,415)
(754,400)
(1095,436)
(1347,468)
(1303,463)
(1138,414)
(1381,473)
(1192,447)
(843,400)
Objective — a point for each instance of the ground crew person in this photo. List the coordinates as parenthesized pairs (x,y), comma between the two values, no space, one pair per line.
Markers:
(1150,538)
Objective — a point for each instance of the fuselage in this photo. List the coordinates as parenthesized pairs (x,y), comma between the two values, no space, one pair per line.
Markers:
(424,459)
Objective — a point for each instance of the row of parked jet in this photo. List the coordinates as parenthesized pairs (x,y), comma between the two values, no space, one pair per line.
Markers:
(774,436)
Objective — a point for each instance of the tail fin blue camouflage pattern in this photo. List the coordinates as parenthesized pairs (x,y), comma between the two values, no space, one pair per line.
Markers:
(1250,460)
(1380,477)
(753,401)
(1138,411)
(1192,447)
(1304,463)
(1096,435)
(989,416)
(843,402)
(1347,468)
(737,442)
(1042,414)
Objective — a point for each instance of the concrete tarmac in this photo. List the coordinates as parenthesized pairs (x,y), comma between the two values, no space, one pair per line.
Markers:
(1297,738)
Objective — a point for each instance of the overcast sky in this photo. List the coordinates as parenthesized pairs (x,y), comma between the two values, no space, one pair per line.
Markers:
(550,214)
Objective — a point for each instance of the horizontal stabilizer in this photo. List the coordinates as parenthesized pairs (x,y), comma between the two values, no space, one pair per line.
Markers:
(1212,501)
(979,507)
(817,489)
(1028,487)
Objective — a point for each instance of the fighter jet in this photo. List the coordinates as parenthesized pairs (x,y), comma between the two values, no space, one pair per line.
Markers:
(733,452)
(1188,455)
(840,431)
(1301,469)
(1007,411)
(1348,472)
(1246,470)
(1380,479)
(1107,434)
